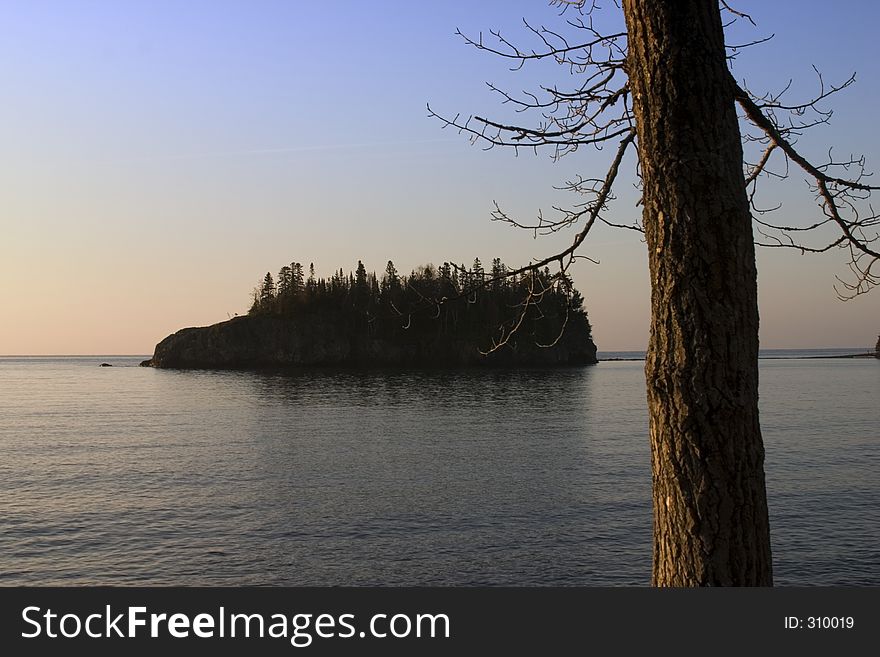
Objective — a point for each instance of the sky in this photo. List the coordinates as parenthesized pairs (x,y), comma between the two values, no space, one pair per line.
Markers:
(158,158)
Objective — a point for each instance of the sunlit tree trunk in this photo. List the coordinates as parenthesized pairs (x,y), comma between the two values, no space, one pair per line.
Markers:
(710,509)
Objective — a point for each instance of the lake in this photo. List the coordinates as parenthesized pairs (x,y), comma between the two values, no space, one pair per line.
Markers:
(133,476)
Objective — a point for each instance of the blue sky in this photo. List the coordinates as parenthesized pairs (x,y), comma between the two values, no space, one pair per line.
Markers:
(159,157)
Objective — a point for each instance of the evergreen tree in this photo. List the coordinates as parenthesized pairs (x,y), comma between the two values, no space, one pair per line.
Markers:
(429,304)
(479,272)
(360,288)
(297,285)
(284,281)
(391,279)
(498,271)
(267,293)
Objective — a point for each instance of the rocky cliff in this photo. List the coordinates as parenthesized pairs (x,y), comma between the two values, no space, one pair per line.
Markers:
(261,341)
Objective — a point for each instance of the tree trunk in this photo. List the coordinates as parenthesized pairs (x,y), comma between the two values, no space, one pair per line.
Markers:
(710,507)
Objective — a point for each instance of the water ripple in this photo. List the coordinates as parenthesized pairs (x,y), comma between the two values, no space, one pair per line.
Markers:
(128,475)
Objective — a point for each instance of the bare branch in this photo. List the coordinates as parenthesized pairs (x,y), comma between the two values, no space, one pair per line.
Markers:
(837,195)
(738,14)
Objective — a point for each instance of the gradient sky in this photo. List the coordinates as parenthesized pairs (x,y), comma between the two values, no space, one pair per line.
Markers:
(159,157)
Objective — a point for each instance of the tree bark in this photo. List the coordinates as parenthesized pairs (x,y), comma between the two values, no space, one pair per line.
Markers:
(710,509)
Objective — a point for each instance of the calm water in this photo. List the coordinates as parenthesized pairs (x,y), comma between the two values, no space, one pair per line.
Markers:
(128,475)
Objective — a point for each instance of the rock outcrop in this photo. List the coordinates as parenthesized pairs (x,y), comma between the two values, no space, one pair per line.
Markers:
(266,341)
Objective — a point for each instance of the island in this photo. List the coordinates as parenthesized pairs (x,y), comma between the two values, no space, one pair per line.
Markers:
(447,316)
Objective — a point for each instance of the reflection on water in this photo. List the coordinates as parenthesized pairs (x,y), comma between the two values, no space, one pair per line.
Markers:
(128,475)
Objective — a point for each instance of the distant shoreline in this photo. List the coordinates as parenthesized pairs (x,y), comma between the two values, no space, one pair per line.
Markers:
(864,355)
(861,355)
(601,360)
